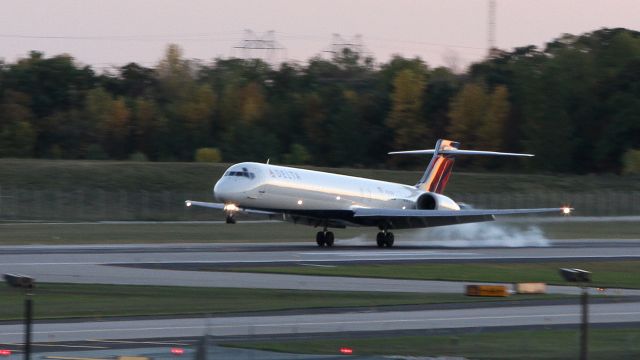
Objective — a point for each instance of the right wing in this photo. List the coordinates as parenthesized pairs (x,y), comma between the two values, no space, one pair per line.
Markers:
(221,206)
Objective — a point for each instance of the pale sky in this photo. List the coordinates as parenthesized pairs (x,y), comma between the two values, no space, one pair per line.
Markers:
(114,32)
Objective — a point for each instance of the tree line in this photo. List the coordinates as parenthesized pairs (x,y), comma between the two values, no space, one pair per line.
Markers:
(575,104)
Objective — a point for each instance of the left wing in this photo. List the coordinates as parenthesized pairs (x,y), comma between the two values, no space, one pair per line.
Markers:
(369,212)
(406,219)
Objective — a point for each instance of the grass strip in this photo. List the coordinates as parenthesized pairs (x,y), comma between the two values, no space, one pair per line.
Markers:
(605,344)
(97,301)
(108,233)
(625,273)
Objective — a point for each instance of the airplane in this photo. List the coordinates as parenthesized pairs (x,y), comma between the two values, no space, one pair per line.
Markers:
(328,200)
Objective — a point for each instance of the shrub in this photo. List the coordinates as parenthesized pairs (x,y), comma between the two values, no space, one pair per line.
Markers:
(96,152)
(138,156)
(208,155)
(631,162)
(298,155)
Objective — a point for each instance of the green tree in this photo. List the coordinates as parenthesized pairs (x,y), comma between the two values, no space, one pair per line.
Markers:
(468,112)
(491,132)
(409,127)
(112,122)
(17,135)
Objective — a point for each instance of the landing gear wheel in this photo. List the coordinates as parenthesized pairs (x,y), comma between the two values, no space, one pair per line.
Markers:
(328,238)
(320,238)
(388,239)
(230,219)
(380,239)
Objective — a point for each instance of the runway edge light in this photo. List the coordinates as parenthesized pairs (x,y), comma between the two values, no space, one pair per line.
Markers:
(177,351)
(346,350)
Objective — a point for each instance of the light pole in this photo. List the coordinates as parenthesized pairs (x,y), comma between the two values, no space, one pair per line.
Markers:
(581,277)
(26,283)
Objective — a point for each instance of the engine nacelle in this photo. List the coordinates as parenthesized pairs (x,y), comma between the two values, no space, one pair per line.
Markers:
(433,201)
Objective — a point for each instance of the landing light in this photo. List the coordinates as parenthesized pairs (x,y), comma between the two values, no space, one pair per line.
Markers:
(299,202)
(231,207)
(338,197)
(188,203)
(566,210)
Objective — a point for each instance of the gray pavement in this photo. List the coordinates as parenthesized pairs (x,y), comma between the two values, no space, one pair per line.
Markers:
(324,323)
(94,264)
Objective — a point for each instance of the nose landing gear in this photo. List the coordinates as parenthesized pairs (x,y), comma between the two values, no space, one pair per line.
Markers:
(230,219)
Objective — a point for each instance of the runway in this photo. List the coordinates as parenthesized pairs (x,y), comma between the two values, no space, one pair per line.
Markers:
(170,264)
(165,264)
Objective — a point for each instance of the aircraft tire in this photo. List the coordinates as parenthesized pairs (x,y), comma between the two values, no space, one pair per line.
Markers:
(320,238)
(380,239)
(329,238)
(388,239)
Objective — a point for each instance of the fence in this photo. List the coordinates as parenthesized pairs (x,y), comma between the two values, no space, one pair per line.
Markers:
(97,204)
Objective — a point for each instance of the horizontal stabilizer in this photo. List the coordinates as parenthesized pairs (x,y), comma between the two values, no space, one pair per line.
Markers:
(456,152)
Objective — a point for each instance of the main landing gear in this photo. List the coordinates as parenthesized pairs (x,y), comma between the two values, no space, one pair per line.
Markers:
(324,238)
(384,238)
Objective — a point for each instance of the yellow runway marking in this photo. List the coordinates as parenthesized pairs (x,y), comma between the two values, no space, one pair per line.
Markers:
(70,346)
(138,342)
(71,358)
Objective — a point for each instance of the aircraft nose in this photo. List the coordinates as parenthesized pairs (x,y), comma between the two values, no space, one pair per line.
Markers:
(227,190)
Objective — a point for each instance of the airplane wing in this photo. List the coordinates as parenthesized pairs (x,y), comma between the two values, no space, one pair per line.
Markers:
(405,219)
(221,206)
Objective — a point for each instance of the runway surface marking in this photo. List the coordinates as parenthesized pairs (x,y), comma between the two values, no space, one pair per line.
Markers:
(318,265)
(353,258)
(68,346)
(71,358)
(138,342)
(389,253)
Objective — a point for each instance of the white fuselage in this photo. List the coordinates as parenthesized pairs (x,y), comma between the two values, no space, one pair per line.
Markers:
(272,187)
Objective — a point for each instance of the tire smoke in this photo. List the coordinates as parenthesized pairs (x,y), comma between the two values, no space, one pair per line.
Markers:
(487,234)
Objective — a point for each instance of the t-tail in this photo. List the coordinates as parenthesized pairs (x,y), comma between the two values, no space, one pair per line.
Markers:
(437,174)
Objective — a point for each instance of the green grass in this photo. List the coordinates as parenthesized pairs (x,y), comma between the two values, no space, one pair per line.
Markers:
(97,301)
(624,274)
(105,233)
(605,344)
(31,174)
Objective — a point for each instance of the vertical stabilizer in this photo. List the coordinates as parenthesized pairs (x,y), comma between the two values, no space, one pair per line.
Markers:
(436,176)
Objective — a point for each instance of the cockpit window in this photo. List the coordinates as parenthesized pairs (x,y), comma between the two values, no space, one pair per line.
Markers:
(244,173)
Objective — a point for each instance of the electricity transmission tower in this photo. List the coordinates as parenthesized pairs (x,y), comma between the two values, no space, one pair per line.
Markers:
(264,47)
(340,44)
(491,29)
